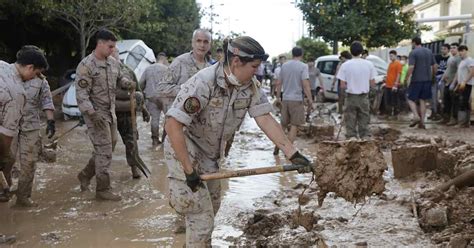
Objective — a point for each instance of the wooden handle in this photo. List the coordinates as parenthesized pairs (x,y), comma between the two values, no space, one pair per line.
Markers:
(4,183)
(250,172)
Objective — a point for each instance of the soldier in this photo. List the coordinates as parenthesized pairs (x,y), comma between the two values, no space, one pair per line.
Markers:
(184,67)
(28,65)
(212,105)
(28,141)
(149,82)
(96,80)
(124,118)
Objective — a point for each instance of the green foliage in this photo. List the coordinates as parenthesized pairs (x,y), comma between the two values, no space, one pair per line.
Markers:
(168,26)
(218,40)
(87,16)
(313,48)
(374,22)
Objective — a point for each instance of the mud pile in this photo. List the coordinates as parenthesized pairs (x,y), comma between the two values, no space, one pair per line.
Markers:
(282,226)
(448,217)
(385,136)
(351,169)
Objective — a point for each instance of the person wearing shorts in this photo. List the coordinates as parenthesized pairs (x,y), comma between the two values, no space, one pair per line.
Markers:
(422,67)
(294,79)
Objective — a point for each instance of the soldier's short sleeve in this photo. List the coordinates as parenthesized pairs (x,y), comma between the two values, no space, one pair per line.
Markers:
(83,83)
(46,96)
(191,99)
(169,84)
(260,106)
(8,113)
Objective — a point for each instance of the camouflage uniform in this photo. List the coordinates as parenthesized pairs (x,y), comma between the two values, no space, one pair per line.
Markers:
(212,112)
(124,118)
(96,82)
(12,102)
(149,82)
(181,69)
(28,142)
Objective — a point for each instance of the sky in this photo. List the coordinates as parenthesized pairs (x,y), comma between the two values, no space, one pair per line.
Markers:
(275,24)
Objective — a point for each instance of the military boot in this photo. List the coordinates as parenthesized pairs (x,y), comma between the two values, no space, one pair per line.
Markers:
(135,172)
(107,196)
(84,181)
(25,202)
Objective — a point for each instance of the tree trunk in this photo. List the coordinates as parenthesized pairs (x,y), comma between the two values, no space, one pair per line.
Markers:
(82,34)
(334,47)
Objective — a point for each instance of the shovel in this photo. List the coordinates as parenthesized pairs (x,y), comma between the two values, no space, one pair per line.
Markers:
(139,162)
(54,143)
(251,172)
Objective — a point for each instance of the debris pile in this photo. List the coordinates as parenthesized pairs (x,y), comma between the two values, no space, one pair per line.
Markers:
(351,169)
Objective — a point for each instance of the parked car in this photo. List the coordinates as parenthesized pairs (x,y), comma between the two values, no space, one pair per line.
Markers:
(328,64)
(134,53)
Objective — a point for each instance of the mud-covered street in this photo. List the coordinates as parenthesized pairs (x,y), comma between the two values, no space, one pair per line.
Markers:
(256,210)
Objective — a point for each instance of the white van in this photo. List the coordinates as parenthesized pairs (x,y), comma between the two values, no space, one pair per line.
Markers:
(328,64)
(134,53)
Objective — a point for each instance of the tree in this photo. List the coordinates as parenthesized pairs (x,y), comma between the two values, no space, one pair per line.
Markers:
(312,48)
(168,27)
(89,16)
(374,22)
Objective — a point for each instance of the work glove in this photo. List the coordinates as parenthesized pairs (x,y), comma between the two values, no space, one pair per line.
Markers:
(97,120)
(81,121)
(50,128)
(299,159)
(193,181)
(145,115)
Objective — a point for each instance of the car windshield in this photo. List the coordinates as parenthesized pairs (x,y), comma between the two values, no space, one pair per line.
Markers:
(380,65)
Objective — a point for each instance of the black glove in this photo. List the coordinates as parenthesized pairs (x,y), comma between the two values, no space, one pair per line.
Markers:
(193,181)
(298,159)
(146,115)
(50,128)
(81,121)
(98,121)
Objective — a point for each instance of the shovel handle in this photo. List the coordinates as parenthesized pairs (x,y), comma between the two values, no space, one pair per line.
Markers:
(250,172)
(4,183)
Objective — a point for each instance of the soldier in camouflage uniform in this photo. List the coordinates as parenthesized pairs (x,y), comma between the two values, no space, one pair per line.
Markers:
(28,141)
(148,82)
(212,105)
(184,67)
(124,117)
(96,80)
(29,65)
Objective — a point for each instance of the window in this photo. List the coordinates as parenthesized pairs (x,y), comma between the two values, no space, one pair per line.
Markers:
(135,56)
(328,67)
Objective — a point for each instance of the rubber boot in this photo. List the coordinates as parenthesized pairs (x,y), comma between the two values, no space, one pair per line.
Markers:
(25,202)
(462,119)
(107,196)
(85,182)
(135,172)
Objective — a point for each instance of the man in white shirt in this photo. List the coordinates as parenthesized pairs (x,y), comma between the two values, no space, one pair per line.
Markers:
(357,76)
(465,80)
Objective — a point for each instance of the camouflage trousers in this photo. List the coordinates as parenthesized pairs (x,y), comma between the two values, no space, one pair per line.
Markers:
(357,115)
(27,145)
(155,107)
(199,209)
(103,140)
(124,127)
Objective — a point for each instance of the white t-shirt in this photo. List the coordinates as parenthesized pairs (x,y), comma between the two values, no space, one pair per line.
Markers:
(357,73)
(464,69)
(276,74)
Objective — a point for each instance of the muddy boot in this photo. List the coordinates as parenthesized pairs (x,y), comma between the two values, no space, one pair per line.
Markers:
(25,202)
(452,122)
(84,181)
(135,172)
(4,239)
(107,196)
(4,197)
